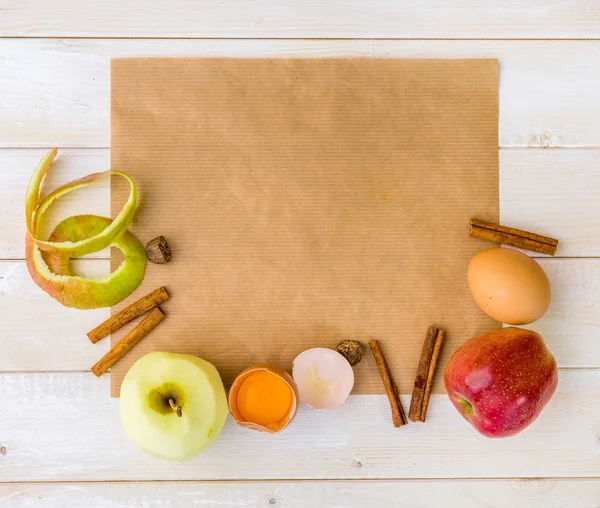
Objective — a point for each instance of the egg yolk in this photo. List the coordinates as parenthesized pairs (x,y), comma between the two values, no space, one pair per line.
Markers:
(264,398)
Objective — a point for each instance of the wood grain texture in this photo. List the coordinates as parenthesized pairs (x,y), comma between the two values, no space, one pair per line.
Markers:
(38,333)
(526,493)
(64,427)
(572,319)
(536,193)
(56,92)
(308,19)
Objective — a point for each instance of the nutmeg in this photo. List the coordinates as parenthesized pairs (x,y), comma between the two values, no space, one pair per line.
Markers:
(351,350)
(158,251)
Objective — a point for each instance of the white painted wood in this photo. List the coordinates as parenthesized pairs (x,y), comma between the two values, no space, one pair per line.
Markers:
(526,493)
(551,192)
(307,19)
(65,427)
(56,92)
(38,334)
(571,326)
(554,193)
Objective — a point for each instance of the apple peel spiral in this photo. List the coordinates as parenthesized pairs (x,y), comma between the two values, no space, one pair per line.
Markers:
(48,261)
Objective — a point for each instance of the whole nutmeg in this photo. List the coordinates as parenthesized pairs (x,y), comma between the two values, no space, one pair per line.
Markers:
(158,251)
(351,350)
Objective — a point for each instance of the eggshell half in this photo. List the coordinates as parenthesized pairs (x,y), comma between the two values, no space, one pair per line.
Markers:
(276,426)
(509,286)
(324,378)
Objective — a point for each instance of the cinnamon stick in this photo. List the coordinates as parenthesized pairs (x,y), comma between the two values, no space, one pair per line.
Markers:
(136,309)
(398,416)
(122,347)
(514,237)
(425,373)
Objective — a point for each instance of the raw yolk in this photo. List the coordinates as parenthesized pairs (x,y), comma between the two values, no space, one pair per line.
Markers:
(264,398)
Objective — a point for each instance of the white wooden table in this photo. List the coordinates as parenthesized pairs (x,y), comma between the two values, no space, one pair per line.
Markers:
(65,445)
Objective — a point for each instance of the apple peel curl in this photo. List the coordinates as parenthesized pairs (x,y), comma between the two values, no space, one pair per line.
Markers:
(35,210)
(48,261)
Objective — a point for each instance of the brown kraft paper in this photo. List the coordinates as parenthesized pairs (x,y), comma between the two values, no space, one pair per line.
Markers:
(308,201)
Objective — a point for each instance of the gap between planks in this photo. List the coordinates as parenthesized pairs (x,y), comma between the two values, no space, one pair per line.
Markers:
(312,480)
(309,39)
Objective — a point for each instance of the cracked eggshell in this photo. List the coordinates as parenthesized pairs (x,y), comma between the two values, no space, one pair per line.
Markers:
(324,378)
(233,399)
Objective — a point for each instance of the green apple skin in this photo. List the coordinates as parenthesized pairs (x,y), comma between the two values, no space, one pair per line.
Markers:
(52,272)
(148,419)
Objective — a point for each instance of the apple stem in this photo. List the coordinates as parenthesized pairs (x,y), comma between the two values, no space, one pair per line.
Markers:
(175,408)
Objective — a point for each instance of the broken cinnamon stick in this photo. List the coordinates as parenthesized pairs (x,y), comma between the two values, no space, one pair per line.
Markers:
(514,237)
(398,415)
(136,309)
(122,347)
(425,373)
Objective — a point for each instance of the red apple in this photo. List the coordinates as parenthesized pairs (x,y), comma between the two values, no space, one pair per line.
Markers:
(501,381)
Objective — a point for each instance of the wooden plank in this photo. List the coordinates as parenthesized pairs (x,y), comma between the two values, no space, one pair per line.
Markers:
(64,427)
(537,493)
(572,318)
(38,334)
(550,192)
(56,92)
(308,19)
(553,193)
(536,193)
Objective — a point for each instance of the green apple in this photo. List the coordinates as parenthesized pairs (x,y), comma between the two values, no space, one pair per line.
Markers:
(173,406)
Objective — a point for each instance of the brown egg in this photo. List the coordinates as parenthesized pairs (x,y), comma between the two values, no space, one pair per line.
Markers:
(264,398)
(509,286)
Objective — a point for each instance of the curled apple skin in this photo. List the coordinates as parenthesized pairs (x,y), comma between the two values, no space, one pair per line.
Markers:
(36,208)
(49,261)
(52,271)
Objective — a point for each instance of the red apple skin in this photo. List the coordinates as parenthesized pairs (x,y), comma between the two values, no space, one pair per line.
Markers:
(501,381)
